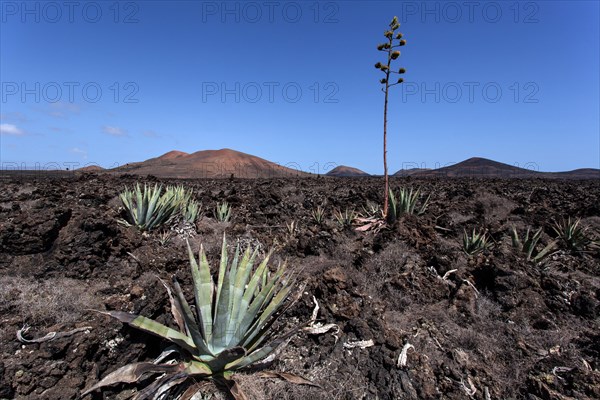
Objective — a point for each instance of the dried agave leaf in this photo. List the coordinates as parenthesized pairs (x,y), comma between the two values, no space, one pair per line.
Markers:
(363,344)
(287,376)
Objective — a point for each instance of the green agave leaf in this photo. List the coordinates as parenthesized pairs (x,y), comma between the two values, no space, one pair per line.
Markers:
(246,313)
(197,368)
(259,334)
(140,204)
(261,353)
(192,327)
(251,289)
(425,205)
(251,319)
(156,328)
(221,335)
(223,309)
(545,251)
(203,292)
(222,271)
(239,288)
(152,202)
(227,356)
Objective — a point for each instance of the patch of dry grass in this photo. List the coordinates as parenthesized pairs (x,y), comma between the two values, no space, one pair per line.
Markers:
(47,302)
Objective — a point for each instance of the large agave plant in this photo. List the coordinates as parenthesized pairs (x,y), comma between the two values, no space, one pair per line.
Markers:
(229,329)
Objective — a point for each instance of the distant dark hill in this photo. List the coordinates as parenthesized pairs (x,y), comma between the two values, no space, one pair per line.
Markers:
(343,170)
(91,168)
(410,171)
(582,173)
(483,168)
(208,164)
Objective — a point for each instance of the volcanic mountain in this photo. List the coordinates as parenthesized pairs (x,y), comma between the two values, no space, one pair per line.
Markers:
(91,168)
(410,171)
(222,163)
(342,170)
(483,168)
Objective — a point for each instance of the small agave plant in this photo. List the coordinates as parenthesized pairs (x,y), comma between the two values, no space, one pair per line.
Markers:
(405,203)
(229,329)
(149,208)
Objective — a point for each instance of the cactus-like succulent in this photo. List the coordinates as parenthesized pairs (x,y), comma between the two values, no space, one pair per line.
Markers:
(223,212)
(406,203)
(573,236)
(150,208)
(476,242)
(528,244)
(229,329)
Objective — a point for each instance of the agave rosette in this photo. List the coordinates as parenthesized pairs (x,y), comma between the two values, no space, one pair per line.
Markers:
(230,327)
(148,209)
(528,244)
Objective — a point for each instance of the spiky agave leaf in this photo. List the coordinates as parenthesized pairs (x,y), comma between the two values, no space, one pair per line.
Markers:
(156,328)
(203,292)
(545,251)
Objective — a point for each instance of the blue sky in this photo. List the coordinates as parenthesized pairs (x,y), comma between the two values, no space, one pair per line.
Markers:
(110,82)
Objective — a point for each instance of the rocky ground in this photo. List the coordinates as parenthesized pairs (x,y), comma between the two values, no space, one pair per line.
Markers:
(499,327)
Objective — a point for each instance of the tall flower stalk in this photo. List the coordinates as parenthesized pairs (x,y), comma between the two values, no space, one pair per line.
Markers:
(394,40)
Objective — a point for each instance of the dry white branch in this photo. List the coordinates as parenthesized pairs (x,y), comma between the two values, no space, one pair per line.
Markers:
(363,344)
(48,337)
(586,365)
(486,393)
(558,370)
(447,274)
(403,357)
(473,286)
(471,390)
(318,328)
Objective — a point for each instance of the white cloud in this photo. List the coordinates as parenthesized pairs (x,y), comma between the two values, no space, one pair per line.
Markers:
(14,117)
(64,110)
(150,134)
(114,131)
(60,109)
(10,129)
(59,129)
(79,152)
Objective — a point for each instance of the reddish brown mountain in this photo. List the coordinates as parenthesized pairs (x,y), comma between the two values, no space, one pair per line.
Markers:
(209,164)
(342,170)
